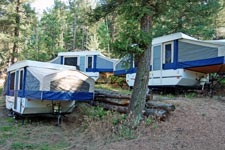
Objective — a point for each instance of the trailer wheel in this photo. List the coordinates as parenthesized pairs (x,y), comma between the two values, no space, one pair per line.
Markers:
(15,116)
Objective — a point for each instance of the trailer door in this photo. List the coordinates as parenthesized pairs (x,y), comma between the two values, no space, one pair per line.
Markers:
(156,73)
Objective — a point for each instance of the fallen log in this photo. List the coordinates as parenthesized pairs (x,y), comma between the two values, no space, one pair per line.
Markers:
(114,101)
(120,109)
(160,105)
(158,113)
(111,94)
(116,95)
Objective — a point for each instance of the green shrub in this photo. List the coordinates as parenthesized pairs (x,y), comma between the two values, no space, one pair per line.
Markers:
(148,121)
(5,128)
(191,95)
(1,90)
(17,145)
(126,132)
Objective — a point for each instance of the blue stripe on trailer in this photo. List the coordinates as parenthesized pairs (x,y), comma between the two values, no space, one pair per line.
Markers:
(24,81)
(98,70)
(95,62)
(61,60)
(8,85)
(203,62)
(175,60)
(53,95)
(121,72)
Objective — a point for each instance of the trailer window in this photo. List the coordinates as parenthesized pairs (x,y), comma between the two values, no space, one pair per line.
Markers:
(157,63)
(12,80)
(168,53)
(89,62)
(21,80)
(71,61)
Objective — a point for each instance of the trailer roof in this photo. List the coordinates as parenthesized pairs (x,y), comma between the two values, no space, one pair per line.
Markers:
(80,53)
(171,37)
(46,65)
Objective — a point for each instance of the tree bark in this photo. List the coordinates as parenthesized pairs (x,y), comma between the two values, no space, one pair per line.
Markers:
(74,32)
(142,76)
(16,33)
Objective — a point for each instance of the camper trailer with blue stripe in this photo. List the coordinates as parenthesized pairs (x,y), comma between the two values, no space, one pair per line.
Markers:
(91,63)
(45,88)
(178,60)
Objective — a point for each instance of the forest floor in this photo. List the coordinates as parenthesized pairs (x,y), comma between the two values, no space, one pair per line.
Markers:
(198,123)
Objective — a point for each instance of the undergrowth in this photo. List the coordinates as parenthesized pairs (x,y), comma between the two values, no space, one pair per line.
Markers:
(110,125)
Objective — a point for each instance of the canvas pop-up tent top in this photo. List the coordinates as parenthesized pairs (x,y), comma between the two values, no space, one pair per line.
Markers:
(178,60)
(44,88)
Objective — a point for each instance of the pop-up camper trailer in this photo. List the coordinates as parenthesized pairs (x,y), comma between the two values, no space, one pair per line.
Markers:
(44,88)
(178,60)
(91,63)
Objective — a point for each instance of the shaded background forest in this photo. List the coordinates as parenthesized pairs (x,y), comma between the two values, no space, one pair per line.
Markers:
(70,27)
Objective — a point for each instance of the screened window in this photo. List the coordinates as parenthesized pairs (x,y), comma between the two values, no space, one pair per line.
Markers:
(71,61)
(90,62)
(12,80)
(168,53)
(21,80)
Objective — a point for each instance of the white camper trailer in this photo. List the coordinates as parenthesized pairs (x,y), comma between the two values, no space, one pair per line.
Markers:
(91,63)
(178,60)
(44,88)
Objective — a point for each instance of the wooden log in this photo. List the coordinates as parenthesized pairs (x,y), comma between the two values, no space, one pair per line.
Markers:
(119,109)
(116,95)
(160,105)
(114,101)
(158,113)
(111,94)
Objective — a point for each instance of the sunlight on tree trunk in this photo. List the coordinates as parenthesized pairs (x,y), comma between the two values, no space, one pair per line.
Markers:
(142,76)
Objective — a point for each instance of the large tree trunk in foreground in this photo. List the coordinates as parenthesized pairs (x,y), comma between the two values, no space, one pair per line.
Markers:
(139,93)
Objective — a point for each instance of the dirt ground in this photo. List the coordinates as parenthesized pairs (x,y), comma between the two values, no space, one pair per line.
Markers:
(196,124)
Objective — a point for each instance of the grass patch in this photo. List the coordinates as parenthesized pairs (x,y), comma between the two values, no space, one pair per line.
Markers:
(61,144)
(20,146)
(191,95)
(5,128)
(1,90)
(148,121)
(126,132)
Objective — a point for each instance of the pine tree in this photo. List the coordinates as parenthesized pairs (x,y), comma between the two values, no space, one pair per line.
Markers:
(141,20)
(14,21)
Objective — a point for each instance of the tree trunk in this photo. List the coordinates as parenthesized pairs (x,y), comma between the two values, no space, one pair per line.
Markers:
(16,34)
(112,33)
(74,32)
(37,42)
(139,93)
(83,33)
